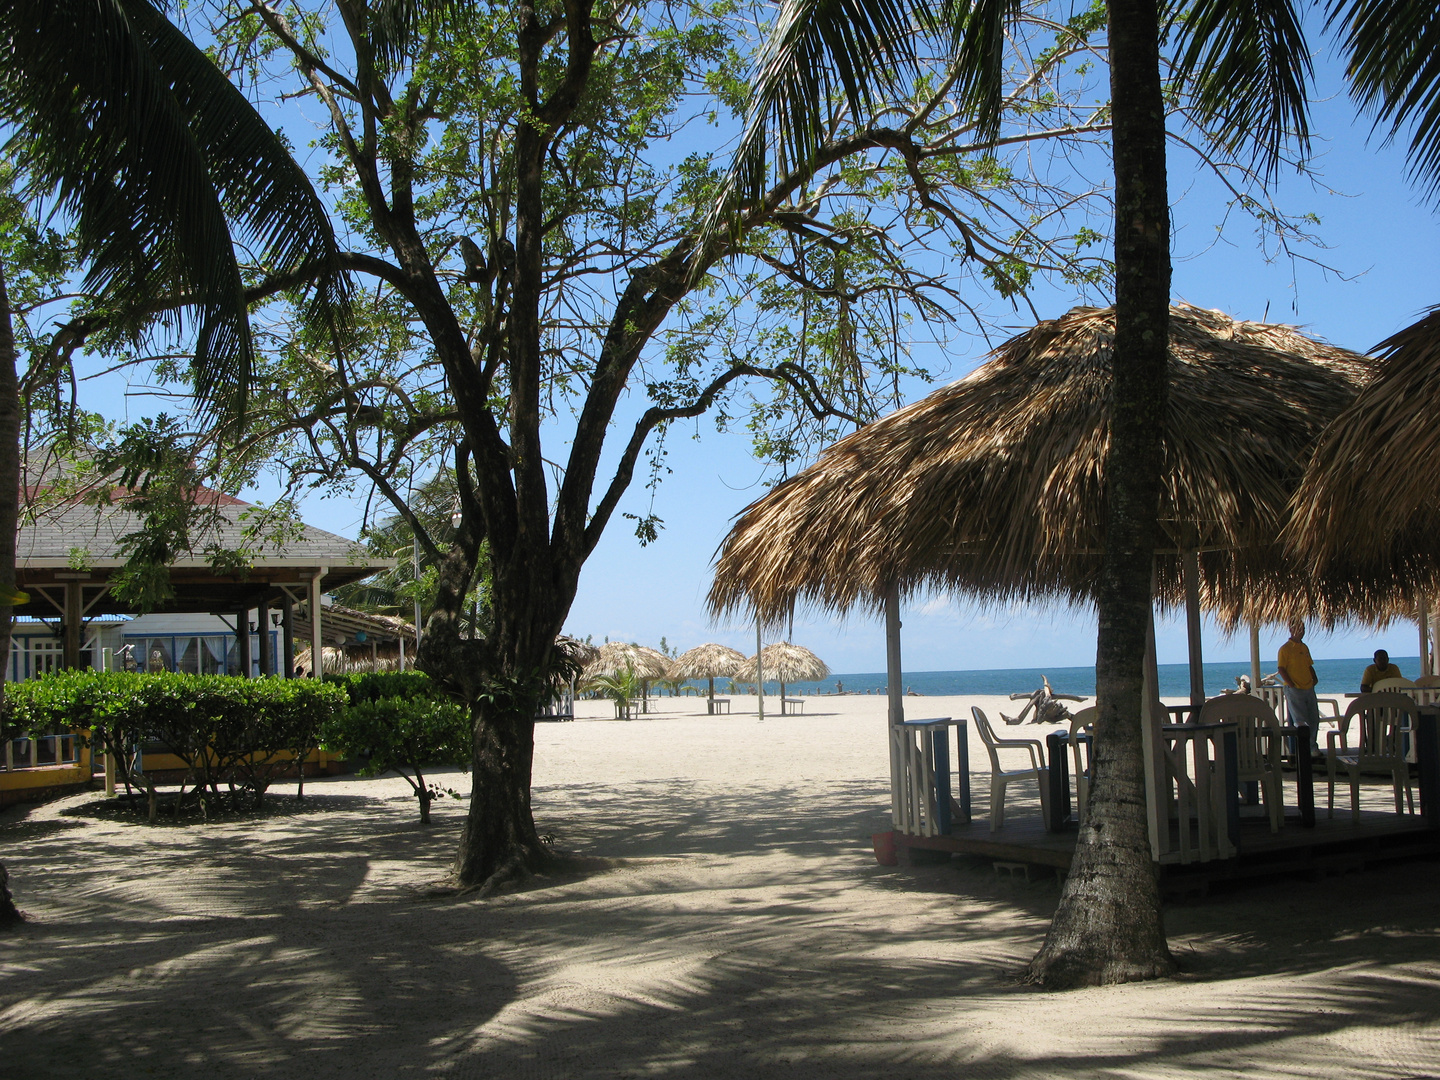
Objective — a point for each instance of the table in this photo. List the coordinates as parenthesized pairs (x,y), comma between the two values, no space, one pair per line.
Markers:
(1057,750)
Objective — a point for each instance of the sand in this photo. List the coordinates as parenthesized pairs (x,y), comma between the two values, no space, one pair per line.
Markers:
(745,930)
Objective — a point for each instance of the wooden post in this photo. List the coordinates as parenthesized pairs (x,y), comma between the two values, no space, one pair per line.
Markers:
(267,648)
(894,676)
(759,669)
(242,634)
(401,639)
(1255,658)
(895,712)
(72,624)
(1156,790)
(287,635)
(1192,632)
(1422,618)
(317,663)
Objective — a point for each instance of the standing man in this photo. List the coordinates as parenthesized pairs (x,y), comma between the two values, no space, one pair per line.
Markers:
(1297,672)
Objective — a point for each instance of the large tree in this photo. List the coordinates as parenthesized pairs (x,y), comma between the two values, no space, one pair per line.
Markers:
(531,237)
(1244,63)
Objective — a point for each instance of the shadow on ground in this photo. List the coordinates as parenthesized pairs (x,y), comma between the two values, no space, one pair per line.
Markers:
(746,932)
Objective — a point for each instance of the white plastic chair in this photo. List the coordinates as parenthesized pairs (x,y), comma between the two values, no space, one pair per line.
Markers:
(1000,777)
(1383,685)
(1082,721)
(1257,746)
(1379,747)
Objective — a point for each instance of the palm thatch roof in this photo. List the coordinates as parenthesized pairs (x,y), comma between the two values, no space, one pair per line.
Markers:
(616,657)
(576,651)
(786,663)
(709,661)
(1370,500)
(995,485)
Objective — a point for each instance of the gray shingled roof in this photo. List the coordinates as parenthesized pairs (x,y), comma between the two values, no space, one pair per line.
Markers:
(95,531)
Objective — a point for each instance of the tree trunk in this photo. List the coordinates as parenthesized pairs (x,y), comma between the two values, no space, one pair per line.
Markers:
(9,514)
(1108,927)
(500,679)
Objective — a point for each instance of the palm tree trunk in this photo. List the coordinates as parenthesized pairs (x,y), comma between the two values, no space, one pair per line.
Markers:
(9,513)
(1108,925)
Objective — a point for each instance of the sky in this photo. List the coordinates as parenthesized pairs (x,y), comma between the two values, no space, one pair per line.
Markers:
(1380,238)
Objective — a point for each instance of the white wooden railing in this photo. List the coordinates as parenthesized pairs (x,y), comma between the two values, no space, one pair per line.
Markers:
(31,753)
(923,799)
(1199,793)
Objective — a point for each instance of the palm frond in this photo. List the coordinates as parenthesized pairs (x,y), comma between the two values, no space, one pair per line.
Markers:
(1394,70)
(1246,66)
(150,148)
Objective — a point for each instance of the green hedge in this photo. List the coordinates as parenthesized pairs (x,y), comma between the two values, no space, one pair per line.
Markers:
(224,728)
(400,721)
(375,685)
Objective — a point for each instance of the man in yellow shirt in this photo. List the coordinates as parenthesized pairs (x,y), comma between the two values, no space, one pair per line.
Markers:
(1381,669)
(1297,672)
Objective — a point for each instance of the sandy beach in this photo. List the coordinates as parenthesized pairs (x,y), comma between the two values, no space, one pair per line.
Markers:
(742,928)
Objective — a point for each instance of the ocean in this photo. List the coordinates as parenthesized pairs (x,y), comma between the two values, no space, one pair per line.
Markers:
(1336,677)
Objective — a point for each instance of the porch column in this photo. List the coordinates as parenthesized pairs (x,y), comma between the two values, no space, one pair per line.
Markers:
(73,618)
(267,650)
(242,634)
(317,661)
(287,636)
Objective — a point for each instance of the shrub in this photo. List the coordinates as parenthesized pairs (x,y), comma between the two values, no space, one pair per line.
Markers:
(374,685)
(224,728)
(406,733)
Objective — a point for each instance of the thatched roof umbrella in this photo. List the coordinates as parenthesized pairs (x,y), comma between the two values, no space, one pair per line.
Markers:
(1369,505)
(709,662)
(614,657)
(618,656)
(995,484)
(785,663)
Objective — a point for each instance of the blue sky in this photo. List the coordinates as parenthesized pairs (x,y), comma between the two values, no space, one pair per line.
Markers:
(1379,236)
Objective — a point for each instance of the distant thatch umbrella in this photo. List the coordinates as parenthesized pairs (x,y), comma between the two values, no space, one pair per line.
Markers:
(785,663)
(576,651)
(619,656)
(995,485)
(615,657)
(709,662)
(1370,502)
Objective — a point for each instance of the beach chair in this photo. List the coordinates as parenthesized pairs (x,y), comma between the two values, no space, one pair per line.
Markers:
(1257,746)
(1082,723)
(999,777)
(1385,685)
(1379,747)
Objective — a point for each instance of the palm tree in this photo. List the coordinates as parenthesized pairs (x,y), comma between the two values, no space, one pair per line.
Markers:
(156,157)
(1248,66)
(154,154)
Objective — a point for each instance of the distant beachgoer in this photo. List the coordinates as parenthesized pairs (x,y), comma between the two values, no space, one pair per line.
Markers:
(839,687)
(1380,669)
(1297,672)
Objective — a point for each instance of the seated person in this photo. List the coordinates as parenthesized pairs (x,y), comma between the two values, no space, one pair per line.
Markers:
(1380,669)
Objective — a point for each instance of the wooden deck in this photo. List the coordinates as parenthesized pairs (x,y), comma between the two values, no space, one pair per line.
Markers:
(1335,845)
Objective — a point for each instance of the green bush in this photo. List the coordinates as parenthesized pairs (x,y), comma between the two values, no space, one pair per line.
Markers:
(224,728)
(375,685)
(406,733)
